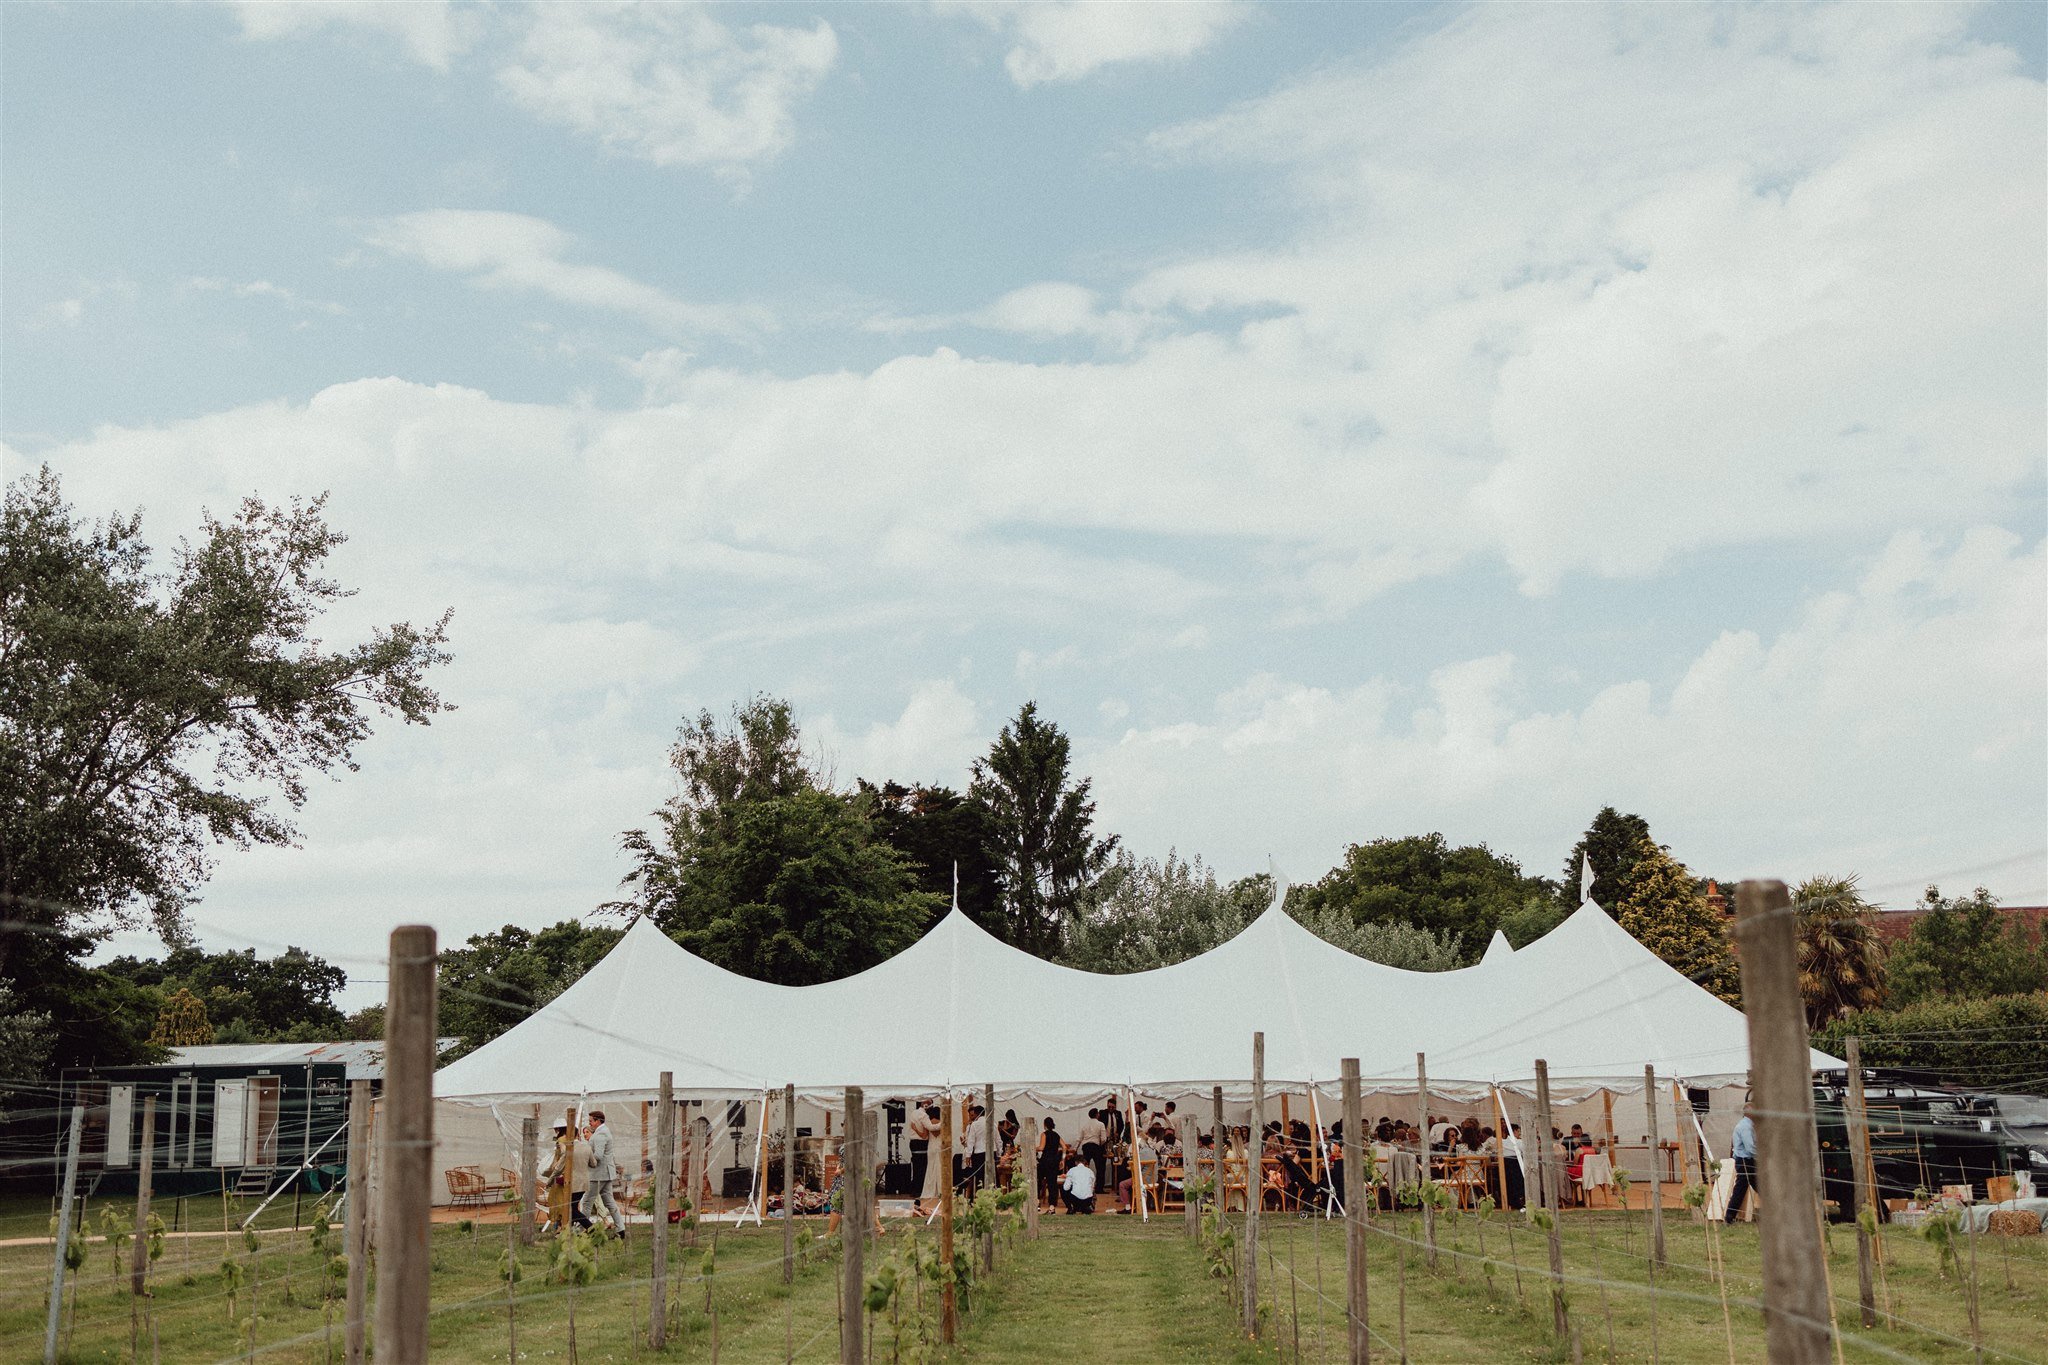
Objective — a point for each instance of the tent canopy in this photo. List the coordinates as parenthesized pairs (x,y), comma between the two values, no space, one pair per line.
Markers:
(960,1008)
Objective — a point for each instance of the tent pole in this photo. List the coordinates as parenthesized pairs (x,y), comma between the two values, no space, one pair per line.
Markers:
(1254,1185)
(1500,1145)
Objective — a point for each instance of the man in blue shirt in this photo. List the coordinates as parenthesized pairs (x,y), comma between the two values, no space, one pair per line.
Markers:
(1743,1149)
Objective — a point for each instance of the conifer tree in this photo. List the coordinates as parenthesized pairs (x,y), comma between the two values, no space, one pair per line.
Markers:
(1668,914)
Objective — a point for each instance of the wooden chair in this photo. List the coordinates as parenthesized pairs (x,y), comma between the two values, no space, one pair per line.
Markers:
(1234,1185)
(466,1186)
(1173,1196)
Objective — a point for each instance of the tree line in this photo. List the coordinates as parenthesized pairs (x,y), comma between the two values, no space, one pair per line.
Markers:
(149,715)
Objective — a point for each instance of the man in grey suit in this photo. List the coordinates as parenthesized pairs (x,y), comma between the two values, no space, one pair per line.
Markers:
(603,1171)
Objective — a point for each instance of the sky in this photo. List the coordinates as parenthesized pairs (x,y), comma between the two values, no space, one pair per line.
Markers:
(1344,421)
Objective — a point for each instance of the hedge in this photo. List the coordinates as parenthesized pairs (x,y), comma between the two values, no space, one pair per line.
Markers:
(1998,1042)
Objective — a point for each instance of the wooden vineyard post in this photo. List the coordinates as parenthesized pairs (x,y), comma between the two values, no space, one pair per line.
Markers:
(1500,1149)
(1189,1204)
(948,1323)
(63,1240)
(1796,1309)
(989,1153)
(529,1172)
(1422,1155)
(1859,1159)
(789,1183)
(657,1284)
(139,1265)
(1656,1169)
(1356,1319)
(355,1233)
(1219,1143)
(405,1185)
(1546,1163)
(1254,1185)
(1027,1156)
(852,1282)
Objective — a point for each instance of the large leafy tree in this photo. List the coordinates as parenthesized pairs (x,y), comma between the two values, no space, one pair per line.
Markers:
(1461,894)
(762,869)
(1963,947)
(1668,913)
(495,980)
(1615,842)
(247,998)
(150,715)
(940,831)
(1042,825)
(1841,962)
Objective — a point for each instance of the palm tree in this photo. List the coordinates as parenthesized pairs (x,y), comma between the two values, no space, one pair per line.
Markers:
(1841,961)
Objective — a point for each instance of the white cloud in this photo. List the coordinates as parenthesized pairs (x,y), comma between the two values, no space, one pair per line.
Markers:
(1632,282)
(1066,40)
(432,32)
(1894,729)
(518,253)
(262,289)
(934,740)
(669,83)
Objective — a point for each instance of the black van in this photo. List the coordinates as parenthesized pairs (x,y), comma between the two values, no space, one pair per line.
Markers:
(1920,1139)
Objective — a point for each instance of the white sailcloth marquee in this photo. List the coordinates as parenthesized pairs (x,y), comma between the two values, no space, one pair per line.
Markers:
(960,1008)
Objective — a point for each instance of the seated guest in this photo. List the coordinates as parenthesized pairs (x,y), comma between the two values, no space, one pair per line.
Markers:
(1468,1133)
(1383,1131)
(1077,1191)
(1008,1128)
(1147,1152)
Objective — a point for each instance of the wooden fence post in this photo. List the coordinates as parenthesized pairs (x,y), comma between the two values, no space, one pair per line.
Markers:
(852,1283)
(700,1159)
(355,1233)
(1796,1325)
(406,1167)
(139,1264)
(1859,1159)
(1422,1154)
(1027,1153)
(1356,1299)
(1546,1161)
(57,1267)
(1219,1143)
(948,1302)
(1656,1169)
(1254,1186)
(529,1175)
(657,1296)
(990,1151)
(1189,1150)
(789,1183)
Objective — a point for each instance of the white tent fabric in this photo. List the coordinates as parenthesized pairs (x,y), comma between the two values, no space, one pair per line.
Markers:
(1497,948)
(960,1008)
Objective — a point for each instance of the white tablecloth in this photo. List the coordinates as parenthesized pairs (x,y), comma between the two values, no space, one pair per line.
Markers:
(1596,1171)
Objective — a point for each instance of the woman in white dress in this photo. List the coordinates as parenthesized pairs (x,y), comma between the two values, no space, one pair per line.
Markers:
(924,1127)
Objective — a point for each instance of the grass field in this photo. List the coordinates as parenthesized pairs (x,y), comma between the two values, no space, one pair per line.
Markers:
(1104,1288)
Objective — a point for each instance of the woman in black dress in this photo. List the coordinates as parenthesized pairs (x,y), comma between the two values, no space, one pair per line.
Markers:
(1050,1164)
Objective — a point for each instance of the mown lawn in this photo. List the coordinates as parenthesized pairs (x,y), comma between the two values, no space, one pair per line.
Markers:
(1100,1288)
(1470,1309)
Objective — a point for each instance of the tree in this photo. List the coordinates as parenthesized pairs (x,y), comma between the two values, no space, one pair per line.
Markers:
(1531,920)
(1841,962)
(1966,947)
(939,830)
(801,890)
(1668,914)
(147,717)
(1146,913)
(495,980)
(718,772)
(1461,894)
(182,1022)
(27,1042)
(248,998)
(1615,843)
(760,868)
(1046,852)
